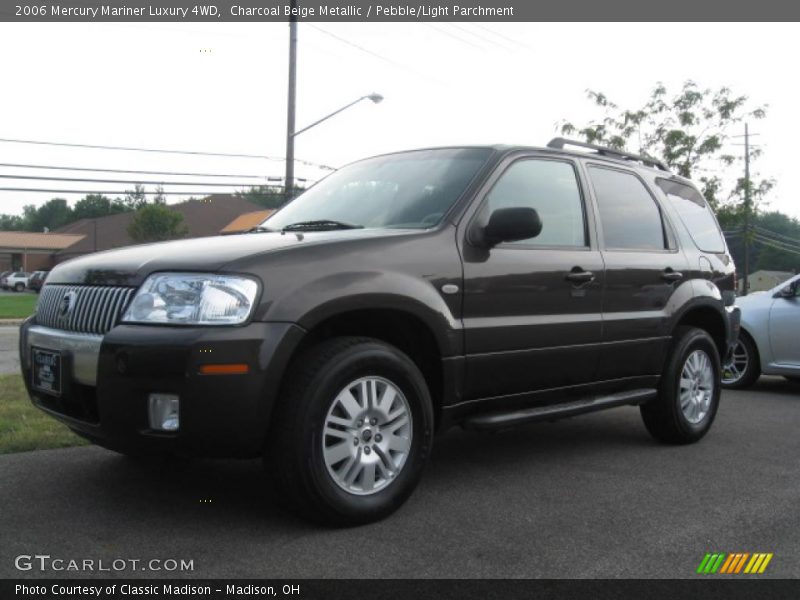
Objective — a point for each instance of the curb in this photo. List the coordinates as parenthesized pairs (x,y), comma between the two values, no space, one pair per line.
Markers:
(10,322)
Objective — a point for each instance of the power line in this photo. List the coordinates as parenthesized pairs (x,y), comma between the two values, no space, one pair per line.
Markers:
(373,54)
(132,181)
(116,192)
(500,35)
(777,245)
(101,170)
(766,232)
(478,35)
(161,151)
(357,47)
(452,35)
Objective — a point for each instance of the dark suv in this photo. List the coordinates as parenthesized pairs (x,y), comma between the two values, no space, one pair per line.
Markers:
(481,286)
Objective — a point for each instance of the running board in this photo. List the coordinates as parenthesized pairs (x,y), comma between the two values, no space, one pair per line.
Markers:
(502,420)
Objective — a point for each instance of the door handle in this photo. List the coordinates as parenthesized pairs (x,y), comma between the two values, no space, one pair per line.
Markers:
(578,275)
(669,275)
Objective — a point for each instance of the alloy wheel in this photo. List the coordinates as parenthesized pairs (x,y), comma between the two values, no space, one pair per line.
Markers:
(696,386)
(367,435)
(735,369)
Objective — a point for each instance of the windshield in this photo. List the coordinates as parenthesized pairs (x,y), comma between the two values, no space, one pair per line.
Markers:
(412,190)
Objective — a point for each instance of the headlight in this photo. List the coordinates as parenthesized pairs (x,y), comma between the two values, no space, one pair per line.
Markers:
(193,299)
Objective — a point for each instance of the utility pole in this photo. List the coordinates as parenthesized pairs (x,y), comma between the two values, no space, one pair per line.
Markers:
(746,209)
(288,181)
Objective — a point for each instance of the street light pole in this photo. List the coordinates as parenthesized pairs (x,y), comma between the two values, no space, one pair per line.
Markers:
(288,181)
(376,98)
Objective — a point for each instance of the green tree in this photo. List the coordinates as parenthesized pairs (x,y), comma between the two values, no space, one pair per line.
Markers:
(159,198)
(156,223)
(52,214)
(689,129)
(136,198)
(11,223)
(97,205)
(267,196)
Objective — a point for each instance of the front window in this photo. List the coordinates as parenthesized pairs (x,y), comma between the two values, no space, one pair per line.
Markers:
(411,190)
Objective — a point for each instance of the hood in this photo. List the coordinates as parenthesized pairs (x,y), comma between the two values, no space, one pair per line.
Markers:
(131,265)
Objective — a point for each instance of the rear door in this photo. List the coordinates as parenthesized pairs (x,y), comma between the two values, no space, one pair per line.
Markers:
(532,309)
(643,269)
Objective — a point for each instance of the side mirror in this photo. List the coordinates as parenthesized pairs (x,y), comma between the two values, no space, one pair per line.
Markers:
(790,291)
(511,225)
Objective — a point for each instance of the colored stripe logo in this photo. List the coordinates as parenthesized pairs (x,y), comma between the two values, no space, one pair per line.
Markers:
(734,563)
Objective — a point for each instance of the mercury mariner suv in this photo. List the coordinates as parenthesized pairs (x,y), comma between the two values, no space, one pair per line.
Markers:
(485,287)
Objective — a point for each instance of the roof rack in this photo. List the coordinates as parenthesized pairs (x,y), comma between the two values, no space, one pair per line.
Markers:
(559,143)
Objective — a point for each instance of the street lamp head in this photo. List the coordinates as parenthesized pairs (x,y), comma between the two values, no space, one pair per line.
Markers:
(376,98)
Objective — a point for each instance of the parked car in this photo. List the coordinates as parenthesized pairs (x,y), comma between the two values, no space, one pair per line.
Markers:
(16,281)
(36,281)
(769,339)
(485,287)
(4,278)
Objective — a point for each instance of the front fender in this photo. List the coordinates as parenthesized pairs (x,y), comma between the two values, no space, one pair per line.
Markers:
(323,298)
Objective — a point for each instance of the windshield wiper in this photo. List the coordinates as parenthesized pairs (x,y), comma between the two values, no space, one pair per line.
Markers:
(320,225)
(259,229)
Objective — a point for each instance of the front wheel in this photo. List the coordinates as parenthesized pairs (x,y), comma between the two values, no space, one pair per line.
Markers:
(688,396)
(20,287)
(352,432)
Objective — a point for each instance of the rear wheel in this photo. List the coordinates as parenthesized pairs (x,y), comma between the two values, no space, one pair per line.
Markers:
(689,391)
(19,287)
(743,369)
(352,432)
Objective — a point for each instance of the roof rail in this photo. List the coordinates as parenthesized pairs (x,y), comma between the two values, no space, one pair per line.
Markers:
(559,143)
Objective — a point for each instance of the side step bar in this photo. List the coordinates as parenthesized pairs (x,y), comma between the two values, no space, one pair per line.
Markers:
(503,420)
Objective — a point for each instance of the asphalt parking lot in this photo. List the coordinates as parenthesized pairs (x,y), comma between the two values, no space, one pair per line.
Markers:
(592,496)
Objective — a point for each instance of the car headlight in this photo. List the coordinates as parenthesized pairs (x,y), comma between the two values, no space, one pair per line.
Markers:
(193,299)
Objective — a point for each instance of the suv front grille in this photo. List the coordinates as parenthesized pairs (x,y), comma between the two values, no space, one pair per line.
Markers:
(90,308)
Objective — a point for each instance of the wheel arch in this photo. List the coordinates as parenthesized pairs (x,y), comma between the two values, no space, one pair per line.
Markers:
(407,330)
(707,316)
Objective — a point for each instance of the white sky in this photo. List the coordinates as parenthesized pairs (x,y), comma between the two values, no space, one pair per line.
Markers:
(222,88)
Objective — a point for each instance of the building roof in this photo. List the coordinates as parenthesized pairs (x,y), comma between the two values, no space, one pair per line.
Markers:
(782,275)
(23,240)
(246,221)
(204,217)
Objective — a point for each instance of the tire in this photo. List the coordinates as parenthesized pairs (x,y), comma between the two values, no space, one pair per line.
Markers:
(679,415)
(302,455)
(19,287)
(744,368)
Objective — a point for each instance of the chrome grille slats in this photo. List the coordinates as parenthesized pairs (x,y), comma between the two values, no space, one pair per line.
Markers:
(96,309)
(85,319)
(113,307)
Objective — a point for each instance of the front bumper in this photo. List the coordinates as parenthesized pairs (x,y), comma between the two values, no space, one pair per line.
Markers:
(107,381)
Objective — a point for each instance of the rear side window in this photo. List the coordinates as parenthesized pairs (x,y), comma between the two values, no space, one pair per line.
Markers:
(629,215)
(695,214)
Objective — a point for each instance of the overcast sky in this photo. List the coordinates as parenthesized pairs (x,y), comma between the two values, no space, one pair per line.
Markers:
(222,88)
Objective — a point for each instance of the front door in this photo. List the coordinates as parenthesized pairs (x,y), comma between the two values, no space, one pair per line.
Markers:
(532,309)
(784,328)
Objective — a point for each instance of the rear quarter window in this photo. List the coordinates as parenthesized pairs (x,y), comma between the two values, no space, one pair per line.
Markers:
(695,213)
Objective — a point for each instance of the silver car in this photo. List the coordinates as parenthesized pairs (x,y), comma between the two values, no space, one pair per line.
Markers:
(769,340)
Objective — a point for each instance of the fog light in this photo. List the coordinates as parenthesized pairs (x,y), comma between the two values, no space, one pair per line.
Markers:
(163,412)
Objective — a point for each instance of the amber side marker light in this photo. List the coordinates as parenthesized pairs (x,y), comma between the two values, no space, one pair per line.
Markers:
(227,369)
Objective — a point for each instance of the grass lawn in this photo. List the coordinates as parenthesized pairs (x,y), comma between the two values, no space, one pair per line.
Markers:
(17,306)
(23,427)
